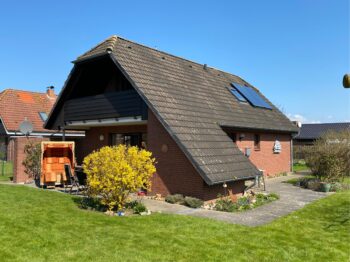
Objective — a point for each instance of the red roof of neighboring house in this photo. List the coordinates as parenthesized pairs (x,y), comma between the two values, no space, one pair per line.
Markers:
(18,105)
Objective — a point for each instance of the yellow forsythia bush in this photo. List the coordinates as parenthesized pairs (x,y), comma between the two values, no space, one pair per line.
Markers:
(115,172)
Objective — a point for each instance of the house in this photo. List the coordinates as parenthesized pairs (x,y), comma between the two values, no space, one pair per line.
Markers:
(310,132)
(16,107)
(205,127)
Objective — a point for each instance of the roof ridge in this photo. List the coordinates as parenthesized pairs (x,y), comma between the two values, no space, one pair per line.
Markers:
(20,90)
(176,56)
(112,39)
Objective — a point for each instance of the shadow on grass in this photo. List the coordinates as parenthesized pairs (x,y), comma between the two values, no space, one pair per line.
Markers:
(89,203)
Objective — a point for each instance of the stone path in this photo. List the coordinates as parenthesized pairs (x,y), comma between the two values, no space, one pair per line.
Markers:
(291,198)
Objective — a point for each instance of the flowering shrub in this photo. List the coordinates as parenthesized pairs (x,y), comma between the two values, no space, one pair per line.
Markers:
(115,172)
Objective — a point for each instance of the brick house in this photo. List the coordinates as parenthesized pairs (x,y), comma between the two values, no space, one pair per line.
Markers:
(17,106)
(204,126)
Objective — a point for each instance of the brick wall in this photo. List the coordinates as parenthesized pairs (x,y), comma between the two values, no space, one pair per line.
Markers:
(175,173)
(18,156)
(265,158)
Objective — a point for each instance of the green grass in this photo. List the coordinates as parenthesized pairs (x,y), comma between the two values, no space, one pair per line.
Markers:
(299,167)
(38,225)
(8,171)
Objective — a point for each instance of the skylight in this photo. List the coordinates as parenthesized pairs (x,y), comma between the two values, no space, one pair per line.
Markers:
(43,116)
(252,96)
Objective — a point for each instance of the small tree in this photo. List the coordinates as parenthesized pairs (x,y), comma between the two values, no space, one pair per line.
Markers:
(115,172)
(31,162)
(329,157)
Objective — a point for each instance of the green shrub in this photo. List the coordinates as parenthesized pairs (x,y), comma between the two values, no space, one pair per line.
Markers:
(225,204)
(175,199)
(328,158)
(273,196)
(138,208)
(131,205)
(92,203)
(336,187)
(193,202)
(32,160)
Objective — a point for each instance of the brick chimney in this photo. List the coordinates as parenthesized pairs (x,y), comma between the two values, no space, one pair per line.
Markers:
(50,92)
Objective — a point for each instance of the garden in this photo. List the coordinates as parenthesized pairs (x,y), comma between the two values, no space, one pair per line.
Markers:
(41,225)
(328,161)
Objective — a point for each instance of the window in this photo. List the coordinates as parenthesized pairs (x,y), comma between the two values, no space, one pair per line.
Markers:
(43,116)
(257,142)
(137,139)
(239,97)
(254,98)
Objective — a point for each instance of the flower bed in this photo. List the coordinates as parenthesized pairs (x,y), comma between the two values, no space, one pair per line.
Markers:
(314,183)
(186,201)
(131,208)
(225,204)
(250,201)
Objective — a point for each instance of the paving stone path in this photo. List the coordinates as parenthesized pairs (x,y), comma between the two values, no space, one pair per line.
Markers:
(291,198)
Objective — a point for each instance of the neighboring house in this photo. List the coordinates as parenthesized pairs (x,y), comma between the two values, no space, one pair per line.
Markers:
(205,127)
(310,132)
(17,106)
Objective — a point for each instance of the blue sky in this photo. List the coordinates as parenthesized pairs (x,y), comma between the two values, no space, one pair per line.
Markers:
(296,52)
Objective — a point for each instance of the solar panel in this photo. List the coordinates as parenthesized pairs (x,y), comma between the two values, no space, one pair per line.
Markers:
(238,95)
(252,96)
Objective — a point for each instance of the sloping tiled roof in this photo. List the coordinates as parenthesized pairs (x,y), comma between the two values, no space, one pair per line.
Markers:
(193,103)
(314,131)
(16,105)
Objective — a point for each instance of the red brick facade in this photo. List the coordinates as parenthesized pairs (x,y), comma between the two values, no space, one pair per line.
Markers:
(264,158)
(175,173)
(19,176)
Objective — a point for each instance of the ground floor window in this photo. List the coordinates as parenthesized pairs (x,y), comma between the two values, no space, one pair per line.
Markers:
(134,139)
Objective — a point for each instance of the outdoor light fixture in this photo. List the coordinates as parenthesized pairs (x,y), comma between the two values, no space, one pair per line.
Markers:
(102,137)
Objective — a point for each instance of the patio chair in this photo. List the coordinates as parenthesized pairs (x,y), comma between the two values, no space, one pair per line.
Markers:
(71,180)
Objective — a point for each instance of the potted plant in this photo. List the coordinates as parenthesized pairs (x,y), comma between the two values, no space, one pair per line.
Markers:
(325,186)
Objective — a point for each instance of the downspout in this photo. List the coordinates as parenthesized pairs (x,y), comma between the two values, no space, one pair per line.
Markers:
(256,181)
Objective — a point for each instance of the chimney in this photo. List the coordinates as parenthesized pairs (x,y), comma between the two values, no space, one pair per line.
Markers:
(50,92)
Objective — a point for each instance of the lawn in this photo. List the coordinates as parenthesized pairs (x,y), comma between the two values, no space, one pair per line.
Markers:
(38,225)
(300,167)
(6,171)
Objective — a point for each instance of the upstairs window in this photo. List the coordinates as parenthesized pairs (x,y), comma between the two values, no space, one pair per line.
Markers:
(43,116)
(257,142)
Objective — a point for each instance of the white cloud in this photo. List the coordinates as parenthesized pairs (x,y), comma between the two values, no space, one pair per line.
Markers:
(302,119)
(297,117)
